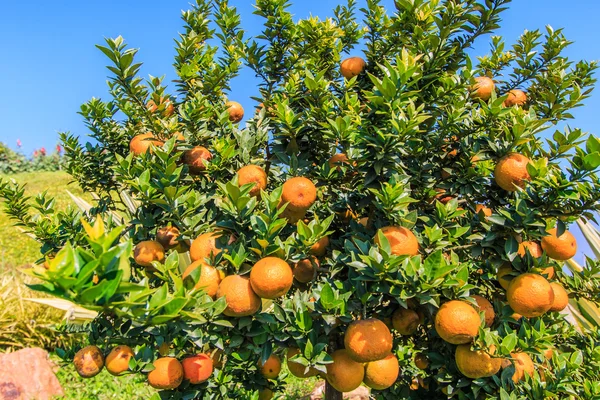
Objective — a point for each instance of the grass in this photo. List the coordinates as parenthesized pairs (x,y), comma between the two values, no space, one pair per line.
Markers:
(27,324)
(16,248)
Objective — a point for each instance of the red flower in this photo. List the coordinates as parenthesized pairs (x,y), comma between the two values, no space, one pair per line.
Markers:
(58,148)
(43,151)
(35,153)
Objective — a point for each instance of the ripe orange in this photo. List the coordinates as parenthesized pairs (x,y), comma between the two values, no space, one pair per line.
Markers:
(305,270)
(516,316)
(559,248)
(88,361)
(167,373)
(209,279)
(141,144)
(336,160)
(534,249)
(241,299)
(117,361)
(148,251)
(352,67)
(197,369)
(235,110)
(515,97)
(405,321)
(476,364)
(265,394)
(414,385)
(483,88)
(547,272)
(442,196)
(196,159)
(297,369)
(344,374)
(402,241)
(561,297)
(483,210)
(271,277)
(300,192)
(548,353)
(511,172)
(167,237)
(382,374)
(530,295)
(457,322)
(207,245)
(523,365)
(346,215)
(178,136)
(486,307)
(368,340)
(271,368)
(253,174)
(168,110)
(502,275)
(320,248)
(421,361)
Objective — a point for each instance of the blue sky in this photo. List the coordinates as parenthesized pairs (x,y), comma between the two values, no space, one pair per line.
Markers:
(50,65)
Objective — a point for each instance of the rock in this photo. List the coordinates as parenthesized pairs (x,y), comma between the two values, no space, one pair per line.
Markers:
(360,393)
(28,374)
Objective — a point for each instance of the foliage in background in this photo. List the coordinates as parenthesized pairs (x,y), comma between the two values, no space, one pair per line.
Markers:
(13,162)
(410,129)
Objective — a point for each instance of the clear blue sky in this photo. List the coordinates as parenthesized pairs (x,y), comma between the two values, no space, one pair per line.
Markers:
(50,66)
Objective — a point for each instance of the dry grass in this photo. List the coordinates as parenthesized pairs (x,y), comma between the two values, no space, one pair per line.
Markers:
(23,323)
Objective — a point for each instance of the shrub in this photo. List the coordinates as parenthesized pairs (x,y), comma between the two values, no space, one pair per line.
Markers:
(391,159)
(12,162)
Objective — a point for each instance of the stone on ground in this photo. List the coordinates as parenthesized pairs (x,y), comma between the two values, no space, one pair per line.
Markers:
(28,374)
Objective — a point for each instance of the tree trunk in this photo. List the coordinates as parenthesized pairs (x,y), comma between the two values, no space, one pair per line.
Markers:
(331,393)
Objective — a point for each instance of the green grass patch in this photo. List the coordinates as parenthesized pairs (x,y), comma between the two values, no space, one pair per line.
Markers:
(17,249)
(103,386)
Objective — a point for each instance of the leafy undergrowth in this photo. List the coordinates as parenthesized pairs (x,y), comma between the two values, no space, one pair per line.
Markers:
(27,324)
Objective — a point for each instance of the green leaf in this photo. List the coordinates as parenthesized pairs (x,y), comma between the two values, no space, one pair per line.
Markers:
(591,161)
(327,296)
(509,342)
(592,145)
(159,297)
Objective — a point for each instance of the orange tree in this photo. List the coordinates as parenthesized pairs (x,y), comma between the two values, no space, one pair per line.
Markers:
(396,219)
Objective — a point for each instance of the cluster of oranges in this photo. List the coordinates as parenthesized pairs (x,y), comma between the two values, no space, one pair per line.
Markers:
(367,358)
(528,294)
(195,158)
(168,372)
